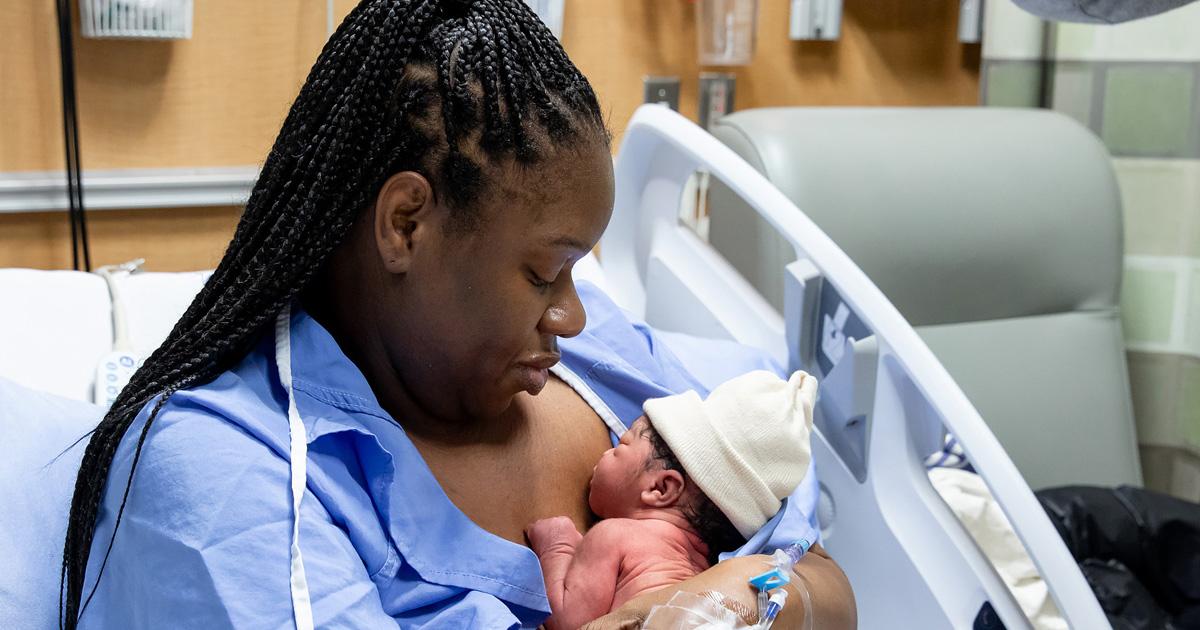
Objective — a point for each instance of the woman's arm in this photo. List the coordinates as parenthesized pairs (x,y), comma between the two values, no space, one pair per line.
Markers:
(830,593)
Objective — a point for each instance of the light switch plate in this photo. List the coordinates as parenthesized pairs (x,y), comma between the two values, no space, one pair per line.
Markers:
(815,20)
(661,90)
(970,21)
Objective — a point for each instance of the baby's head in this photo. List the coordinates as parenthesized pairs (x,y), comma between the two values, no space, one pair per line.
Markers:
(725,463)
(641,474)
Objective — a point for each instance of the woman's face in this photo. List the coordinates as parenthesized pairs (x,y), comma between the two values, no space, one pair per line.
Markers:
(476,316)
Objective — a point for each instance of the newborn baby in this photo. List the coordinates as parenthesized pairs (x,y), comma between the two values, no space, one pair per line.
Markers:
(690,479)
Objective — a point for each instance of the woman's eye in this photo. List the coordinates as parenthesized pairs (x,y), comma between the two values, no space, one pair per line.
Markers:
(537,281)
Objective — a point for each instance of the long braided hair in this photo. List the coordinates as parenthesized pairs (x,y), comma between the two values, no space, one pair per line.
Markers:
(446,88)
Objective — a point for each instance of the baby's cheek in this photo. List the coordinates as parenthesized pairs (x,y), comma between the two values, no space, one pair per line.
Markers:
(601,483)
(603,491)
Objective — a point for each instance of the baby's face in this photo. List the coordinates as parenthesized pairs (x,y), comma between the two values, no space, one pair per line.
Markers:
(623,472)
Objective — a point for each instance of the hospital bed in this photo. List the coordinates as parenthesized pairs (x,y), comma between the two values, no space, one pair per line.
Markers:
(885,398)
(886,401)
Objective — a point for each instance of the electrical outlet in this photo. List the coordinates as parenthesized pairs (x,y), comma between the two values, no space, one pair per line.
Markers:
(662,91)
(716,97)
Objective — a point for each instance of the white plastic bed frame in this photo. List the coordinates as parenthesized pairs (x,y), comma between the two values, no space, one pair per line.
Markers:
(910,562)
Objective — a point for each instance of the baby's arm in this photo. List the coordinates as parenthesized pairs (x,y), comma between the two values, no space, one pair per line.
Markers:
(580,571)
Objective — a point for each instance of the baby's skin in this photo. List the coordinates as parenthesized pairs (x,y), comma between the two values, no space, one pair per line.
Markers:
(644,542)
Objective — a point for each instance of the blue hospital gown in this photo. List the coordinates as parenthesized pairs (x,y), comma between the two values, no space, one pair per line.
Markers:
(204,539)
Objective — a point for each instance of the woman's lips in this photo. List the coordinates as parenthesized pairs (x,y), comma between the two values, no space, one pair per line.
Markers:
(534,372)
(533,379)
(542,361)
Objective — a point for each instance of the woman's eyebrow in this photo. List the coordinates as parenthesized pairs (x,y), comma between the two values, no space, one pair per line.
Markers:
(567,241)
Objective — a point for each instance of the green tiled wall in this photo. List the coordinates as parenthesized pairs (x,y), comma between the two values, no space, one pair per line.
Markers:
(1149,110)
(1188,405)
(1072,91)
(1174,468)
(1161,199)
(1154,385)
(1164,357)
(1147,305)
(1138,109)
(1169,36)
(1191,337)
(1137,87)
(1013,84)
(1010,32)
(1166,401)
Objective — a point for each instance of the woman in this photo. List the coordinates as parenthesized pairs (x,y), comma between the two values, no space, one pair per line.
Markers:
(356,418)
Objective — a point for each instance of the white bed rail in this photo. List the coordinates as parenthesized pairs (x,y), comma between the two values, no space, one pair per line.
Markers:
(911,563)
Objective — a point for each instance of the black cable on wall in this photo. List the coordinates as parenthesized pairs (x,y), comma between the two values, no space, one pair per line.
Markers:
(79,239)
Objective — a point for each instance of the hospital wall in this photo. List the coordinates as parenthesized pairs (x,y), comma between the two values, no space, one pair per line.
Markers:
(1137,86)
(218,99)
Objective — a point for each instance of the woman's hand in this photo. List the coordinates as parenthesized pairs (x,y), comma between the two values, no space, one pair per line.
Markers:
(832,599)
(619,619)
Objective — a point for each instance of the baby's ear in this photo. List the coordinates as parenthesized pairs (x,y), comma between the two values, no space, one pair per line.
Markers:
(666,489)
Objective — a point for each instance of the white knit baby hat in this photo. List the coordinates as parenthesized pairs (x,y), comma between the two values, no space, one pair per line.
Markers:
(746,446)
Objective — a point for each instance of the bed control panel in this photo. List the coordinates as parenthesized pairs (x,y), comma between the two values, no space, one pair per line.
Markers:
(825,337)
(112,375)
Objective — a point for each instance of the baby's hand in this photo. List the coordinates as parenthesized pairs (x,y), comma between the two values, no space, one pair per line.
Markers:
(557,533)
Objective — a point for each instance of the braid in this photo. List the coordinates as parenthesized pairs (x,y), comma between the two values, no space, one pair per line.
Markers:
(447,89)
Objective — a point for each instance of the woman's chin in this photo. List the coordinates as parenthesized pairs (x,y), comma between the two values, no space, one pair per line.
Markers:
(532,380)
(496,403)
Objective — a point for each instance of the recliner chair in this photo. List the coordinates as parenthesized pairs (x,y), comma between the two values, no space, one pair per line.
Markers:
(997,233)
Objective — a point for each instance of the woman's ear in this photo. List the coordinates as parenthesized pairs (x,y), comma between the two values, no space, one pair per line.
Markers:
(666,489)
(403,213)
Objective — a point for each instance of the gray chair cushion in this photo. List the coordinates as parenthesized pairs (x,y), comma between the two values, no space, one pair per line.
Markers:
(996,233)
(1054,390)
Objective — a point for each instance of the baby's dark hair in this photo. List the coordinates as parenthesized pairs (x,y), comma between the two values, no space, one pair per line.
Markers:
(708,521)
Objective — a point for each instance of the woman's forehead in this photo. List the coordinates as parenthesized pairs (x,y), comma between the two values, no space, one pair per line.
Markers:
(557,204)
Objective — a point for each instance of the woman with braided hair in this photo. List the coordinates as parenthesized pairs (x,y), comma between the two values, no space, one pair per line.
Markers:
(358,415)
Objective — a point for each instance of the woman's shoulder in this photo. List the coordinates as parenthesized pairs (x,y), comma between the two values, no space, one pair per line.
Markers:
(203,435)
(243,401)
(200,478)
(207,506)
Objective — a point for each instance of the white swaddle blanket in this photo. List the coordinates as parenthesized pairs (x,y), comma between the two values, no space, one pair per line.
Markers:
(971,501)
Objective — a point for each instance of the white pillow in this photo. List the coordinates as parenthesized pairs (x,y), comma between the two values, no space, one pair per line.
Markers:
(54,327)
(35,498)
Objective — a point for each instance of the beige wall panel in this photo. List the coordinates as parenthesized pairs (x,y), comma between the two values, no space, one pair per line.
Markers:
(170,239)
(892,52)
(219,98)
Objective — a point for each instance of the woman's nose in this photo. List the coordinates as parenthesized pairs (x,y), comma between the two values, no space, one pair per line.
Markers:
(565,316)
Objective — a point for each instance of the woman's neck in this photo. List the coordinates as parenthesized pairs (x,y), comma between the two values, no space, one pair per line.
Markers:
(365,347)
